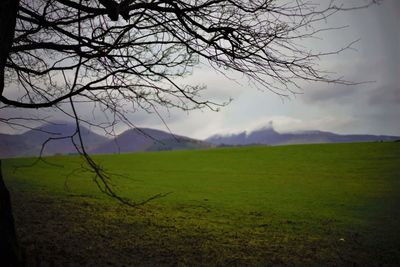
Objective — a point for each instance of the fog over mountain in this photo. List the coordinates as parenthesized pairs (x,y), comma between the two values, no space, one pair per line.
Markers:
(269,136)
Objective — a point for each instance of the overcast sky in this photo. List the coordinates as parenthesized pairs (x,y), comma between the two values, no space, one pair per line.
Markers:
(372,108)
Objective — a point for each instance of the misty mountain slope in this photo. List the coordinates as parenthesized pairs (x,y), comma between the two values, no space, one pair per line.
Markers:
(269,136)
(30,143)
(12,145)
(65,145)
(133,140)
(145,139)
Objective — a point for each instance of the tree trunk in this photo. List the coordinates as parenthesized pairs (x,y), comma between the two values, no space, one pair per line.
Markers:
(9,251)
(8,16)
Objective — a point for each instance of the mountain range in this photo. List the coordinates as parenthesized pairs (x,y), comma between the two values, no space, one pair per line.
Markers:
(57,140)
(57,135)
(269,136)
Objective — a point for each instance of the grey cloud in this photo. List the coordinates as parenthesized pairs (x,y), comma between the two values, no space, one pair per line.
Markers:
(385,95)
(334,94)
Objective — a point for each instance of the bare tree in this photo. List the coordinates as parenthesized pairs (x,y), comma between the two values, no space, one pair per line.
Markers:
(127,54)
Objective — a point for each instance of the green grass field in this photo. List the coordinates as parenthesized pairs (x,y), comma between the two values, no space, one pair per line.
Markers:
(303,205)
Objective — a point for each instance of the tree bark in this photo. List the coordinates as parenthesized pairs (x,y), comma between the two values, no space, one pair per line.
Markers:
(9,250)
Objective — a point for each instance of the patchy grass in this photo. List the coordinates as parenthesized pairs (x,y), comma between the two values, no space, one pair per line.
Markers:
(313,205)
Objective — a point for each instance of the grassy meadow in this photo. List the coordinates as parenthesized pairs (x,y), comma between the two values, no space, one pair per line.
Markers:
(302,205)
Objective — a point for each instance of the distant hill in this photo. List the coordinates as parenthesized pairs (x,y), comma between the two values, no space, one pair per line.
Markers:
(12,145)
(145,139)
(133,140)
(269,136)
(30,143)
